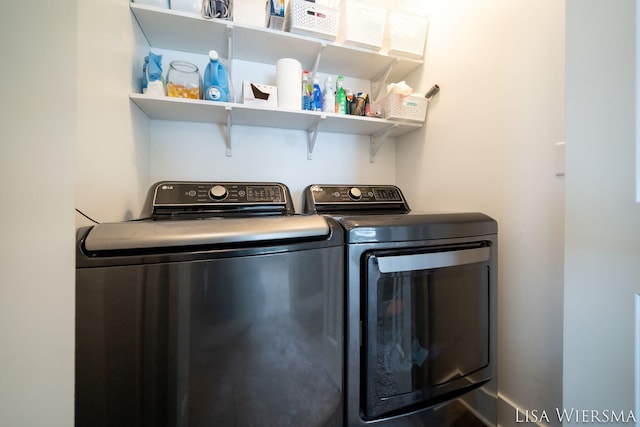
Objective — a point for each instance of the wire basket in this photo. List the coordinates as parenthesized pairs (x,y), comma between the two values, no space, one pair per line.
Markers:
(311,19)
(407,34)
(362,24)
(412,108)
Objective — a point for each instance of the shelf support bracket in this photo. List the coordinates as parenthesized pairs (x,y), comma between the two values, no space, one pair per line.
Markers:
(316,62)
(376,141)
(227,130)
(312,134)
(229,47)
(379,81)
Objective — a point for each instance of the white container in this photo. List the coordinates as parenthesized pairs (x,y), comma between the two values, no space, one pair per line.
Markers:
(157,3)
(407,34)
(190,6)
(362,24)
(412,108)
(259,95)
(288,82)
(311,19)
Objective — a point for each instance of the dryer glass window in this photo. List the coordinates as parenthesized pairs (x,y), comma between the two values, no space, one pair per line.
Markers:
(427,329)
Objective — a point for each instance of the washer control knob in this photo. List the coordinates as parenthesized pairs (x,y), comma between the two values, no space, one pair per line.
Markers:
(355,193)
(218,192)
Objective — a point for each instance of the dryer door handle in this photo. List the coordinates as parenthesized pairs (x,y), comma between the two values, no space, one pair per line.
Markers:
(432,260)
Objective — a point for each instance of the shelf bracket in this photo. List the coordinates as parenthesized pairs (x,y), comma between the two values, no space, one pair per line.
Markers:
(227,130)
(376,141)
(316,62)
(230,57)
(379,81)
(312,134)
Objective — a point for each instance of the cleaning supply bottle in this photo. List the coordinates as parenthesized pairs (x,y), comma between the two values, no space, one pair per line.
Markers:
(306,93)
(329,99)
(216,79)
(341,97)
(317,94)
(152,81)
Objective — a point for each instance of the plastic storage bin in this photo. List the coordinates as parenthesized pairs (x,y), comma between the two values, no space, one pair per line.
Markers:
(412,108)
(362,24)
(311,19)
(407,34)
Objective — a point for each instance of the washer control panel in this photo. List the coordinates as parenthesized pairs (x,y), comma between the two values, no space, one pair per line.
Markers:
(332,198)
(191,197)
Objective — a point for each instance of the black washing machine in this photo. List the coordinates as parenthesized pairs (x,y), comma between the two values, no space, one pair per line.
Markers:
(219,307)
(421,309)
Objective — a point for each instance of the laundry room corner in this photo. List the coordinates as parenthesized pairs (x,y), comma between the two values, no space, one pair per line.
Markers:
(489,145)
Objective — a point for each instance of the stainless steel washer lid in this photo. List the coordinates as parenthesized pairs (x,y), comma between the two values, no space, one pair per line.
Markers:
(212,231)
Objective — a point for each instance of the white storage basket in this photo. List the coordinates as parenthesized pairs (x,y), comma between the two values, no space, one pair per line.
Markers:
(412,108)
(311,19)
(407,34)
(362,24)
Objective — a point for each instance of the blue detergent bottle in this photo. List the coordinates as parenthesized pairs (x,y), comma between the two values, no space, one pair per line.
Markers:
(216,79)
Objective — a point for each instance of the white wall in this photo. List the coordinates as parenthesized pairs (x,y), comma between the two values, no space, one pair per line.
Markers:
(112,156)
(602,271)
(489,146)
(37,138)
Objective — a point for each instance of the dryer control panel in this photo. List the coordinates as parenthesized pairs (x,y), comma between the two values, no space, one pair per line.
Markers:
(354,198)
(206,199)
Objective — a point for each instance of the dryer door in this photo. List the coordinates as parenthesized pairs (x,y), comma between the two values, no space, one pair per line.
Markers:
(426,326)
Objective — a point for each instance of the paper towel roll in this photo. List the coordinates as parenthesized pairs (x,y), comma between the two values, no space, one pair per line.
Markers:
(289,82)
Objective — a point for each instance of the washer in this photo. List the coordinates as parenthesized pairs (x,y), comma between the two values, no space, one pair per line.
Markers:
(421,309)
(218,307)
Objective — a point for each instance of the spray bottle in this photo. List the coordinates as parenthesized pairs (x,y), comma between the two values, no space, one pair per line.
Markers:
(341,97)
(329,99)
(306,93)
(317,94)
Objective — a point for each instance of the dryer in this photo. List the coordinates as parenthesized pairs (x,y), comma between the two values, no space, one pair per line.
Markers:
(219,306)
(421,309)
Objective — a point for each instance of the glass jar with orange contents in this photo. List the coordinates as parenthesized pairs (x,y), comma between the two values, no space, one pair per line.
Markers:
(183,80)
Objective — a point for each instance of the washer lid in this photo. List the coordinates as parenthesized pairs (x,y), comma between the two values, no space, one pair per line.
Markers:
(212,231)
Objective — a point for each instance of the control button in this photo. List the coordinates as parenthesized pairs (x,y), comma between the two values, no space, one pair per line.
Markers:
(218,192)
(355,193)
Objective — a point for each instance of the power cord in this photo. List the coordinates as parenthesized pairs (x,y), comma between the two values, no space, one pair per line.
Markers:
(87,216)
(222,9)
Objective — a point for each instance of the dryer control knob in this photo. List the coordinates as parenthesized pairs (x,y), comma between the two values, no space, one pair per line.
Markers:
(218,192)
(355,193)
